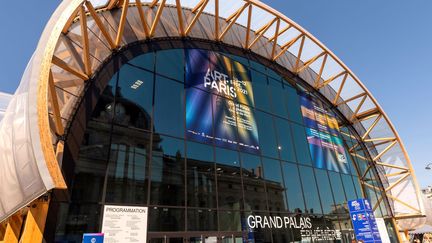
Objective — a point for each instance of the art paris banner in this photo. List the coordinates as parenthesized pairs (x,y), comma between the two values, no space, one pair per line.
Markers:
(219,101)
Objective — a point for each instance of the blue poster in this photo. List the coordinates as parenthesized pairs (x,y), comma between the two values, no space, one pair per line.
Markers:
(322,130)
(363,220)
(219,101)
(93,238)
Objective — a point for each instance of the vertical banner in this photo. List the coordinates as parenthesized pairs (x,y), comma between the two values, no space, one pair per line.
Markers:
(219,101)
(322,131)
(363,220)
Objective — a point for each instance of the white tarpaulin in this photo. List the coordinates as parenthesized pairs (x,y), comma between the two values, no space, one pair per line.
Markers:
(24,175)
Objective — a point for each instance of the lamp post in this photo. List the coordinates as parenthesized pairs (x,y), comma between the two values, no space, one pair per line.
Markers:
(428,166)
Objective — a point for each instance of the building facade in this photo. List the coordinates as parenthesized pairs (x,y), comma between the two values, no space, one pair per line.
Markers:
(223,120)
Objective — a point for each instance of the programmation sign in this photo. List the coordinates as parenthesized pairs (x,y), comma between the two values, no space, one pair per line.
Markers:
(124,224)
(219,101)
(363,219)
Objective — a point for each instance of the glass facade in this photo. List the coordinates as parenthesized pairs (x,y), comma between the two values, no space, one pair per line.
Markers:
(137,152)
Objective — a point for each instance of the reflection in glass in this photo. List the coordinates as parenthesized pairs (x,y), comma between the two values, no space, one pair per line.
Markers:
(169,107)
(300,144)
(253,183)
(201,185)
(274,185)
(202,220)
(167,172)
(341,206)
(128,166)
(357,186)
(166,219)
(267,137)
(310,190)
(292,100)
(145,61)
(230,221)
(170,63)
(260,91)
(294,190)
(327,202)
(229,185)
(79,218)
(349,187)
(285,145)
(279,104)
(134,98)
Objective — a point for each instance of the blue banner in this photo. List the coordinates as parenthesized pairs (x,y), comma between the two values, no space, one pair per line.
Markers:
(363,220)
(322,129)
(93,238)
(219,102)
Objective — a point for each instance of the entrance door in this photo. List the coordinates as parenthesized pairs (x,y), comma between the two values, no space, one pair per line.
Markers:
(196,237)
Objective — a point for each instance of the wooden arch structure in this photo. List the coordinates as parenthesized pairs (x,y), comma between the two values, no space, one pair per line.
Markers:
(83,33)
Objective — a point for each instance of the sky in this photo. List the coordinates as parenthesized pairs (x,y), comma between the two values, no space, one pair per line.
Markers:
(386,43)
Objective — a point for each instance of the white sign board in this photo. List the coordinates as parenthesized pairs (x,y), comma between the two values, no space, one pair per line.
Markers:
(382,230)
(124,224)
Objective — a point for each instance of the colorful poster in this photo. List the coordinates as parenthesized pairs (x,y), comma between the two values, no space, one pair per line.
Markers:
(219,101)
(322,131)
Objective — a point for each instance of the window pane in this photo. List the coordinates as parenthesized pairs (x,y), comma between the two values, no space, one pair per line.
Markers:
(202,220)
(294,189)
(166,219)
(292,100)
(169,107)
(167,171)
(349,187)
(257,66)
(134,98)
(90,168)
(266,134)
(260,91)
(273,74)
(301,146)
(229,186)
(279,105)
(338,192)
(145,61)
(201,185)
(128,166)
(285,145)
(309,189)
(275,185)
(230,221)
(104,110)
(170,63)
(253,183)
(79,218)
(325,191)
(357,186)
